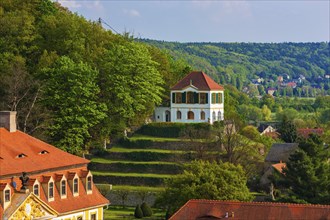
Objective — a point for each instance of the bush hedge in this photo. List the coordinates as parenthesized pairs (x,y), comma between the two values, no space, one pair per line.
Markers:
(141,144)
(137,168)
(147,212)
(138,212)
(170,129)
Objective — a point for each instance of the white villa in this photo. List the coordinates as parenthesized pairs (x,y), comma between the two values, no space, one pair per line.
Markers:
(195,98)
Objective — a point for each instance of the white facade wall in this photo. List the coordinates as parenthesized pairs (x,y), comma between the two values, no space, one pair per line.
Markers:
(197,108)
(160,114)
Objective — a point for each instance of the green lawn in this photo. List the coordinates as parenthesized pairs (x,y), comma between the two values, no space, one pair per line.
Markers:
(127,213)
(104,173)
(108,161)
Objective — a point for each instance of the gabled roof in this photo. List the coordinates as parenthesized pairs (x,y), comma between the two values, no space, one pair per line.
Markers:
(199,80)
(280,152)
(13,144)
(18,205)
(216,209)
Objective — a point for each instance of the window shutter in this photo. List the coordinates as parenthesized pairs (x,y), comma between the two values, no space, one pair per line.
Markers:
(184,97)
(173,97)
(196,97)
(217,98)
(207,98)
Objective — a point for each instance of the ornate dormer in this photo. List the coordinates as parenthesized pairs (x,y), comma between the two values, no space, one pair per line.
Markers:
(5,195)
(73,180)
(87,179)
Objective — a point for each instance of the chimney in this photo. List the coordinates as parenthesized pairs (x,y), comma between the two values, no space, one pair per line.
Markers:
(8,120)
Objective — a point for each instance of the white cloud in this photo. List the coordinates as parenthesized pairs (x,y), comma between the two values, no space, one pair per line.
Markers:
(70,3)
(132,12)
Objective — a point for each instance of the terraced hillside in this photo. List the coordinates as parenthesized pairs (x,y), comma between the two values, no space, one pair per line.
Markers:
(145,161)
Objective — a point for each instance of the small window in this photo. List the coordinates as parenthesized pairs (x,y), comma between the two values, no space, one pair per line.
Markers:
(21,156)
(178,97)
(213,98)
(202,98)
(191,115)
(51,190)
(190,97)
(202,115)
(214,116)
(89,183)
(36,189)
(219,116)
(178,115)
(63,187)
(43,152)
(75,185)
(93,216)
(7,195)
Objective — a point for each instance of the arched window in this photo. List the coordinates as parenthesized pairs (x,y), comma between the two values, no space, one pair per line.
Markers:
(89,183)
(51,190)
(191,115)
(213,116)
(7,195)
(178,115)
(75,185)
(219,116)
(202,115)
(63,187)
(36,189)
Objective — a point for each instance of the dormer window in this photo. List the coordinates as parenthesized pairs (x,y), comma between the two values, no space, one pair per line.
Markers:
(36,189)
(75,186)
(7,195)
(44,152)
(89,183)
(63,188)
(51,190)
(21,155)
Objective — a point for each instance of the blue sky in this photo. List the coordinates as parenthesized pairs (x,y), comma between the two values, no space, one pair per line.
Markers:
(213,21)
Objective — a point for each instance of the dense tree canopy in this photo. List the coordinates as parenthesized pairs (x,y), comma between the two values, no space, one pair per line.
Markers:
(205,180)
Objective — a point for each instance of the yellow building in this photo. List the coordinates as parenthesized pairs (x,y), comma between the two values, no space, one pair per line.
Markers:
(40,181)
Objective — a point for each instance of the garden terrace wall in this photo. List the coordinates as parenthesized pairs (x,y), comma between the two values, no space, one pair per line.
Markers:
(129,180)
(150,156)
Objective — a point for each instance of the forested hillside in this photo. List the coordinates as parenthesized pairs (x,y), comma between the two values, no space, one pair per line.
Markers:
(72,82)
(304,67)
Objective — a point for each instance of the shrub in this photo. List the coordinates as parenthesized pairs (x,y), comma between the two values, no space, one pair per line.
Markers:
(138,212)
(170,130)
(147,212)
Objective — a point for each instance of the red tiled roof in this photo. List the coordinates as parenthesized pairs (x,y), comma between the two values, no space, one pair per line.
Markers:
(199,80)
(14,143)
(305,132)
(215,209)
(279,166)
(70,203)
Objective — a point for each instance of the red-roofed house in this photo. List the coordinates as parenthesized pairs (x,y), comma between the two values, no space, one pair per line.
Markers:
(195,98)
(56,184)
(215,209)
(305,132)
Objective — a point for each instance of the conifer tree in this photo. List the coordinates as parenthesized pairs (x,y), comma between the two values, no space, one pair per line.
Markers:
(306,177)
